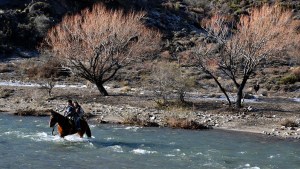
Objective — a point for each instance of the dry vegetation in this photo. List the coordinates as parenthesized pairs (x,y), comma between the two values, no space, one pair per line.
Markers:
(237,54)
(97,43)
(184,124)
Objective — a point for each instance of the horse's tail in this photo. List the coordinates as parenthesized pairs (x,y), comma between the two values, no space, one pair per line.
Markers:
(88,130)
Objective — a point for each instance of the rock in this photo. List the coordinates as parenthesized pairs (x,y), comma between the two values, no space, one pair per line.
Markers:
(249,96)
(264,93)
(291,128)
(152,118)
(198,10)
(112,119)
(249,108)
(265,132)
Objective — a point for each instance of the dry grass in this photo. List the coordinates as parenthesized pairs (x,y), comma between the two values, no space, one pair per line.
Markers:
(184,124)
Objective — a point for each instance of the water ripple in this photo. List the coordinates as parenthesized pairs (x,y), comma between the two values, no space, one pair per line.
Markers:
(142,151)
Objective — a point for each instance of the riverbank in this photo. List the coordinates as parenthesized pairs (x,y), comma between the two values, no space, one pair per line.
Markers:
(273,116)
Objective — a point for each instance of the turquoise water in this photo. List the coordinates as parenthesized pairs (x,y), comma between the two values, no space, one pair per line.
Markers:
(26,142)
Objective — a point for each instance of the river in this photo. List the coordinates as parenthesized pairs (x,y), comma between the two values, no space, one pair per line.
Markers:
(26,142)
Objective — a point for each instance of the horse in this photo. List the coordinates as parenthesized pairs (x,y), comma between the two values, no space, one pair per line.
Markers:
(67,127)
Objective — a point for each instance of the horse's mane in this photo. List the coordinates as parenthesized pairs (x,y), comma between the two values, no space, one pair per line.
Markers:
(54,113)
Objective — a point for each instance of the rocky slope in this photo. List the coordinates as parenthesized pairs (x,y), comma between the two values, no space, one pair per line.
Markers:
(24,23)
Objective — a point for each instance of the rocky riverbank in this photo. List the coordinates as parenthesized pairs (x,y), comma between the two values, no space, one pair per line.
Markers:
(271,116)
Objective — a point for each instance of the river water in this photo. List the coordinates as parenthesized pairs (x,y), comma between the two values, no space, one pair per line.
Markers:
(26,142)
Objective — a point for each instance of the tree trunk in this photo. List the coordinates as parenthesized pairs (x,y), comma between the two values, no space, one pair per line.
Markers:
(101,89)
(239,97)
(240,92)
(223,90)
(220,86)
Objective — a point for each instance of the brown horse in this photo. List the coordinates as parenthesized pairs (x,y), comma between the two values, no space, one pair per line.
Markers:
(66,126)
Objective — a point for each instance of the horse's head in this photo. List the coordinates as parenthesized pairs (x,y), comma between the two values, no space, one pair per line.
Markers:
(53,118)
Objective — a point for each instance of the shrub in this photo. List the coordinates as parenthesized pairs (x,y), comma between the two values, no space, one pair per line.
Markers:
(4,68)
(4,93)
(42,23)
(296,72)
(289,123)
(167,79)
(291,78)
(35,70)
(135,120)
(184,124)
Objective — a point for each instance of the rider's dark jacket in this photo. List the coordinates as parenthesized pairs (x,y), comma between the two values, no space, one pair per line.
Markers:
(69,111)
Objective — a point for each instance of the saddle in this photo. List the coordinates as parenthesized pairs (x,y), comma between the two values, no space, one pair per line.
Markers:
(71,121)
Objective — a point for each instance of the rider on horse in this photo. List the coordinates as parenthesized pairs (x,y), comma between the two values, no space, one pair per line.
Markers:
(69,109)
(74,112)
(78,114)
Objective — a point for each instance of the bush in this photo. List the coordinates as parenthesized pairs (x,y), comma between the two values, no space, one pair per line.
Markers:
(4,93)
(168,79)
(4,68)
(292,77)
(296,72)
(135,120)
(289,123)
(184,124)
(45,70)
(42,24)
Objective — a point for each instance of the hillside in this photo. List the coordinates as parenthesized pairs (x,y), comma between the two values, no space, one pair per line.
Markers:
(23,24)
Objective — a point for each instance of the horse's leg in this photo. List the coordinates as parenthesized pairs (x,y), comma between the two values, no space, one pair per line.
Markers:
(80,133)
(61,131)
(87,129)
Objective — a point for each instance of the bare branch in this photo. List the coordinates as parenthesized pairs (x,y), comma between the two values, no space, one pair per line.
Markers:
(97,43)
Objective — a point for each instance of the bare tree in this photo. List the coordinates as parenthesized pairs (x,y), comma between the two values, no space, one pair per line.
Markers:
(44,72)
(48,85)
(167,79)
(258,37)
(97,43)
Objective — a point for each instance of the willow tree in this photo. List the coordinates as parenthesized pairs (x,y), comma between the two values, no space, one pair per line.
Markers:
(236,53)
(96,43)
